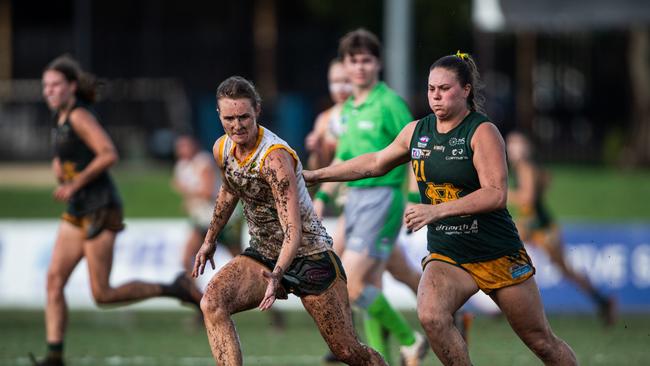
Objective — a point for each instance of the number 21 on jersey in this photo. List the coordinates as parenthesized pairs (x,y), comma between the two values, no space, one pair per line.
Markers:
(418,170)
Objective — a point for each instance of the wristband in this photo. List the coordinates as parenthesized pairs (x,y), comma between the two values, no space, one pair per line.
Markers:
(320,195)
(414,197)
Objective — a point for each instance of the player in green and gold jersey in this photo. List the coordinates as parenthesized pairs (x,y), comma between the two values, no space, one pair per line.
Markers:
(459,160)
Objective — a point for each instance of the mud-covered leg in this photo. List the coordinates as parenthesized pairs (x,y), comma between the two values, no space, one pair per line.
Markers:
(238,286)
(331,312)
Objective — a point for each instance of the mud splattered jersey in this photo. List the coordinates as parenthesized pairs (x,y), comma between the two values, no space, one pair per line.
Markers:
(246,180)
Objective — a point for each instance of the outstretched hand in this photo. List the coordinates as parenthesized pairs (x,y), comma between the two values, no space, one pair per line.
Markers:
(310,177)
(205,254)
(273,279)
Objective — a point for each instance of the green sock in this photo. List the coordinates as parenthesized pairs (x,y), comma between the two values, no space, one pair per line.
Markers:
(375,336)
(390,319)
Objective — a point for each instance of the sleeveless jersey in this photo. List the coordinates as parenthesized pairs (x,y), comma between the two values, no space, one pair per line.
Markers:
(75,156)
(444,171)
(246,180)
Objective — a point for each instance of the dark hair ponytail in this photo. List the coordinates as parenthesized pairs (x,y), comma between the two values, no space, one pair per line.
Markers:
(463,65)
(86,82)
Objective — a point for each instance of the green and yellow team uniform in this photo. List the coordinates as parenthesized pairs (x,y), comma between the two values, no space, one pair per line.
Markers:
(534,222)
(97,205)
(487,245)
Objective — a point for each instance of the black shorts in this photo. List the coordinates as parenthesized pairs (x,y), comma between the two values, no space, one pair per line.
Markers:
(309,275)
(93,223)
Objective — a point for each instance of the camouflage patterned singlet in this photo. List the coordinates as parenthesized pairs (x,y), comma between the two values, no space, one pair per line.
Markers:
(246,180)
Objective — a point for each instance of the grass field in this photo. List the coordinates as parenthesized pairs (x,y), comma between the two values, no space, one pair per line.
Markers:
(174,338)
(114,338)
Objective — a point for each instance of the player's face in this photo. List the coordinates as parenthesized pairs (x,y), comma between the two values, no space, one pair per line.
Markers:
(239,120)
(339,83)
(517,147)
(447,98)
(362,69)
(185,148)
(57,90)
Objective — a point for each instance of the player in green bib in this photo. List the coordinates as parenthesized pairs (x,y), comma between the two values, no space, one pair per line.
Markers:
(371,118)
(458,158)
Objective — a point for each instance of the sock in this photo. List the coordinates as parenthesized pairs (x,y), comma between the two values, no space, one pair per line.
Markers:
(375,337)
(54,350)
(391,320)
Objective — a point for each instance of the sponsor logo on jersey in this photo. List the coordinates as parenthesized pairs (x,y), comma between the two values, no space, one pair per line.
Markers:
(365,125)
(420,153)
(459,229)
(423,141)
(454,141)
(457,154)
(439,193)
(440,148)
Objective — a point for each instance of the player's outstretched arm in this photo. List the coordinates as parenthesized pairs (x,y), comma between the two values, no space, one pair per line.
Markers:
(367,165)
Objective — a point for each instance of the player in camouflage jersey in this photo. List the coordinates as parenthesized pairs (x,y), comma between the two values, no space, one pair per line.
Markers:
(458,158)
(289,249)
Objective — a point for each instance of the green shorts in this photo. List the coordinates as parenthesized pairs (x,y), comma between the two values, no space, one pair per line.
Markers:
(309,275)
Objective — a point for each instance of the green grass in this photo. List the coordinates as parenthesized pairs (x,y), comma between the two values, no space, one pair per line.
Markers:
(174,338)
(576,193)
(599,193)
(145,192)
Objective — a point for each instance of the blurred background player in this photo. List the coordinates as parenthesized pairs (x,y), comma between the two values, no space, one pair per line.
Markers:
(289,249)
(321,141)
(535,223)
(83,153)
(371,118)
(458,158)
(321,144)
(196,179)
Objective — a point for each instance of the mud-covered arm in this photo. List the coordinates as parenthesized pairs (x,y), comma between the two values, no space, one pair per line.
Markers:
(279,172)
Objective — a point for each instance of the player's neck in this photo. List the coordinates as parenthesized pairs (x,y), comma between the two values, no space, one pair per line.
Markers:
(360,93)
(448,124)
(245,149)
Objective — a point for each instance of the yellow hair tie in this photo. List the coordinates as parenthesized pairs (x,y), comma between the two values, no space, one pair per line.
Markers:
(462,56)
